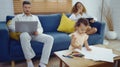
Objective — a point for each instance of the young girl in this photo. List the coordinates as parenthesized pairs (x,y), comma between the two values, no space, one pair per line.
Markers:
(79,37)
(79,11)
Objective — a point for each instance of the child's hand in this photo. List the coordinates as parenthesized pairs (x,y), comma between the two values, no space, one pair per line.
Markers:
(89,49)
(80,47)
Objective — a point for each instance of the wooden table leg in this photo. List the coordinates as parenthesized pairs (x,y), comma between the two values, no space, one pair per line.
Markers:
(12,63)
(60,63)
(66,65)
(118,63)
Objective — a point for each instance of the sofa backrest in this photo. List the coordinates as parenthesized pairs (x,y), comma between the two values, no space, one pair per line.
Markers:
(49,22)
(9,18)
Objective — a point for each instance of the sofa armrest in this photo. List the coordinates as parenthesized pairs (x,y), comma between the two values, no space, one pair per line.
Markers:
(100,27)
(4,40)
(100,30)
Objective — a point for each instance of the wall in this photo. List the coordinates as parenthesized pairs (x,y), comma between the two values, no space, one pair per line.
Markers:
(115,5)
(6,8)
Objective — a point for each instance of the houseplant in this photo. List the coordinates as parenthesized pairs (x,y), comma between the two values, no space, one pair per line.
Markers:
(107,15)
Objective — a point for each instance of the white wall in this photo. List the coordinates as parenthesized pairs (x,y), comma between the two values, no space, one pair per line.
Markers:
(115,5)
(93,7)
(6,8)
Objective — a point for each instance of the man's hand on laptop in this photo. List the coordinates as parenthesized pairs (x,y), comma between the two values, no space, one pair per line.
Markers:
(35,33)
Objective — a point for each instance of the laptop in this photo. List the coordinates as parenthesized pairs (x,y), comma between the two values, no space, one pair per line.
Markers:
(26,26)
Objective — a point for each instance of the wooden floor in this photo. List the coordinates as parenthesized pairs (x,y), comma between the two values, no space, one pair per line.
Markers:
(53,62)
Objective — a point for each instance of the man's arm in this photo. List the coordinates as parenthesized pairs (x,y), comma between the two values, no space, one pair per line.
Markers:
(39,29)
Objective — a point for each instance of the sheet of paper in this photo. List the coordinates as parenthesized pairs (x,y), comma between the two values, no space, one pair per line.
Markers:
(98,54)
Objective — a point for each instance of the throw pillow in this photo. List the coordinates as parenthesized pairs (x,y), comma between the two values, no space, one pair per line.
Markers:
(13,35)
(66,24)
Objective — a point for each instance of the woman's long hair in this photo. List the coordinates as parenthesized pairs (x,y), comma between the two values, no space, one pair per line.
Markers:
(75,9)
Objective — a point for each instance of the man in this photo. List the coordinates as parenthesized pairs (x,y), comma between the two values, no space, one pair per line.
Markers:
(25,37)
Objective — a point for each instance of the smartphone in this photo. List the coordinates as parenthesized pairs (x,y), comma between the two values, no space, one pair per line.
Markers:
(89,19)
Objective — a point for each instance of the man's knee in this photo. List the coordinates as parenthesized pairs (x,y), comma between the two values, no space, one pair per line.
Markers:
(25,35)
(50,38)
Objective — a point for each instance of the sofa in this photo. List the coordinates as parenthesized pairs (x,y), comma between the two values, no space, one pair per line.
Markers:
(10,49)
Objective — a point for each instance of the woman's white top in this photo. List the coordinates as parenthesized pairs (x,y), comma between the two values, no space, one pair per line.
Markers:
(76,17)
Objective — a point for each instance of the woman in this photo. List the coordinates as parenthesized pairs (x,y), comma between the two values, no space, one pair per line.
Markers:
(79,11)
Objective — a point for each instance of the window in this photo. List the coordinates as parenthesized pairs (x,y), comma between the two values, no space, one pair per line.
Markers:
(45,6)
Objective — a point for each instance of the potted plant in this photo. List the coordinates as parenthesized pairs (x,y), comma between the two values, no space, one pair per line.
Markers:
(107,15)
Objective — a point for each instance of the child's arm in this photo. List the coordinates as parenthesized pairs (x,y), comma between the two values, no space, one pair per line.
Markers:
(73,40)
(87,46)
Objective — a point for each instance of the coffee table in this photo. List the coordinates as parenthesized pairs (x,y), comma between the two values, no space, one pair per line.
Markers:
(82,62)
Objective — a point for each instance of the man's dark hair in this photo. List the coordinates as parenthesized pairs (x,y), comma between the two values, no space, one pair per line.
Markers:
(26,2)
(82,21)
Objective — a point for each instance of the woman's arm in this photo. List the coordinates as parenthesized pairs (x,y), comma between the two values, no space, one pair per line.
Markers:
(39,28)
